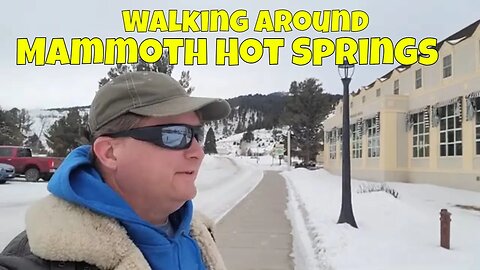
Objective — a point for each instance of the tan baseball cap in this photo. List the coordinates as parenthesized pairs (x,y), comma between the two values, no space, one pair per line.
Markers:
(149,94)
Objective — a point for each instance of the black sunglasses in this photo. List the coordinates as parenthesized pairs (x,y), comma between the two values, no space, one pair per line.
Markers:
(171,136)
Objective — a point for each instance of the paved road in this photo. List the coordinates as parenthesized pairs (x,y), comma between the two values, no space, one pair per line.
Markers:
(256,233)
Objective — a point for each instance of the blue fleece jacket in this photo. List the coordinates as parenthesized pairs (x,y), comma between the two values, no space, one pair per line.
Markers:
(77,181)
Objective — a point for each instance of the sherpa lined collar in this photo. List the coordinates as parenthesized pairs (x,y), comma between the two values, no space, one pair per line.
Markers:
(60,231)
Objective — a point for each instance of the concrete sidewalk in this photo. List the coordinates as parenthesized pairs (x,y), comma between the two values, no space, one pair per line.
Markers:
(256,233)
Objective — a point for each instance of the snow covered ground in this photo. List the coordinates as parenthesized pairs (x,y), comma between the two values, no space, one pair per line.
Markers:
(15,198)
(393,233)
(221,184)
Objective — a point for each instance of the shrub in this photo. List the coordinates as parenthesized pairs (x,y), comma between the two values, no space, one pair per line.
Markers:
(376,187)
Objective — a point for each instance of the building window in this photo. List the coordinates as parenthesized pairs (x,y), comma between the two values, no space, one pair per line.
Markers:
(340,134)
(421,135)
(364,98)
(396,87)
(418,78)
(477,124)
(357,141)
(450,131)
(447,66)
(333,151)
(378,92)
(333,144)
(373,138)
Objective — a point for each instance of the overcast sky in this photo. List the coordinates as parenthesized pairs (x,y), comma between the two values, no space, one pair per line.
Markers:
(59,86)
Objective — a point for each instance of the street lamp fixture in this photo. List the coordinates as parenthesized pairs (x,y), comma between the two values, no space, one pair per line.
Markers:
(346,71)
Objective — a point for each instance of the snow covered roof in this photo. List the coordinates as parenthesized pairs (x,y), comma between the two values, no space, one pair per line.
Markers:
(460,35)
(453,39)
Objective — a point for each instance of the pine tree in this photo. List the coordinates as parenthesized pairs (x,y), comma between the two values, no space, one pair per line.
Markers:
(226,131)
(185,82)
(277,135)
(24,122)
(248,136)
(10,129)
(240,127)
(210,143)
(162,66)
(306,108)
(35,144)
(114,72)
(66,133)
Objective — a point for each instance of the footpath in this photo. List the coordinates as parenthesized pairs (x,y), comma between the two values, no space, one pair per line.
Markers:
(256,234)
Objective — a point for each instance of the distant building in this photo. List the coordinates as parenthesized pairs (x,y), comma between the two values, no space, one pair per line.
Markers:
(417,123)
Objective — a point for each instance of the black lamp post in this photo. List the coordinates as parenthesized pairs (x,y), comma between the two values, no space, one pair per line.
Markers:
(346,71)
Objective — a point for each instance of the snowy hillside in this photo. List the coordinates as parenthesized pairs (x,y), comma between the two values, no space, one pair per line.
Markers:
(227,141)
(43,118)
(261,145)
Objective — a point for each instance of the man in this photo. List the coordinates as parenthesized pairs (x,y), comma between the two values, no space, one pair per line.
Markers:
(125,201)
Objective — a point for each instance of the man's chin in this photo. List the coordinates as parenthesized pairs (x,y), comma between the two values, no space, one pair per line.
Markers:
(188,195)
(193,194)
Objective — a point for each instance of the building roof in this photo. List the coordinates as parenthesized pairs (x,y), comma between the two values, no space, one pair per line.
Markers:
(460,35)
(456,38)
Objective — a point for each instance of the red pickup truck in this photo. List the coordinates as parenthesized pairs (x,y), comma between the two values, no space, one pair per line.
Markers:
(33,168)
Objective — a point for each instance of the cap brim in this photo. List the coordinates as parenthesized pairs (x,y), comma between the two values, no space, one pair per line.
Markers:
(210,108)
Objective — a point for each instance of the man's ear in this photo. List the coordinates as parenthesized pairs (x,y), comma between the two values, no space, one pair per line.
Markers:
(103,147)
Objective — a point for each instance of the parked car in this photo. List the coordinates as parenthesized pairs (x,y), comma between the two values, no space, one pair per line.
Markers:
(308,165)
(3,176)
(24,163)
(6,172)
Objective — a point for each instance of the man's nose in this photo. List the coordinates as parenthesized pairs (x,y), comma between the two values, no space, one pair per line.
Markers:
(195,150)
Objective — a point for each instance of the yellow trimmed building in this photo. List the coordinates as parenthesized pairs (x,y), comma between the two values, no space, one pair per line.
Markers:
(418,124)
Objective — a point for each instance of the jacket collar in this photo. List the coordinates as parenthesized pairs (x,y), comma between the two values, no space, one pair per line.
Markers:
(61,231)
